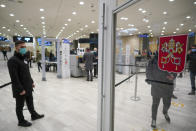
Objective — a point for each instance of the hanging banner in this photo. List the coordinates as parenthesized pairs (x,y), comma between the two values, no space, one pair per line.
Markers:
(172,53)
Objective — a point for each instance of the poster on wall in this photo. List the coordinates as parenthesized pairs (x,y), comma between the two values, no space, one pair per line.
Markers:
(172,53)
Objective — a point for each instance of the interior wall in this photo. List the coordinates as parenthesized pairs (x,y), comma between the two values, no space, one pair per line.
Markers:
(85,45)
(133,41)
(153,44)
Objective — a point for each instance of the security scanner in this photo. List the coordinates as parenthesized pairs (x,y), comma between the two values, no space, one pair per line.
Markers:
(77,66)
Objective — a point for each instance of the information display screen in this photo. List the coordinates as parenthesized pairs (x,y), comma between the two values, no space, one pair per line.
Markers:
(47,43)
(25,39)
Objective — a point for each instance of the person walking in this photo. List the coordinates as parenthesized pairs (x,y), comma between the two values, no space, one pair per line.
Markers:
(162,86)
(22,84)
(38,60)
(96,61)
(192,67)
(88,59)
(5,54)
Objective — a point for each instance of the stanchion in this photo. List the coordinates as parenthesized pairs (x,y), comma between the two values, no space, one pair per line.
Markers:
(135,97)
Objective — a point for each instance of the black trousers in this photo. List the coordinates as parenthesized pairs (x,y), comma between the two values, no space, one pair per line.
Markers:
(89,75)
(5,57)
(95,70)
(155,105)
(20,104)
(39,66)
(29,62)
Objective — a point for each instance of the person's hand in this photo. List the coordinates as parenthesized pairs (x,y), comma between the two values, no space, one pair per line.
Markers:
(23,93)
(33,85)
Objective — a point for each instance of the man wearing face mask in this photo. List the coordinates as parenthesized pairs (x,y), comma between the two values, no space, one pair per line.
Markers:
(22,84)
(192,67)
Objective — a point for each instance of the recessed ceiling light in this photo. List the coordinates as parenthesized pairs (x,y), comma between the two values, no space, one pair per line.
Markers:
(81,3)
(140,9)
(41,9)
(143,11)
(63,27)
(8,30)
(81,29)
(131,25)
(188,17)
(74,13)
(17,21)
(195,3)
(42,17)
(181,24)
(3,27)
(25,28)
(171,0)
(163,28)
(139,32)
(162,31)
(93,22)
(92,32)
(66,24)
(2,5)
(177,29)
(165,22)
(121,28)
(150,30)
(174,32)
(165,13)
(86,26)
(148,26)
(69,20)
(43,26)
(190,30)
(43,23)
(21,25)
(77,31)
(11,14)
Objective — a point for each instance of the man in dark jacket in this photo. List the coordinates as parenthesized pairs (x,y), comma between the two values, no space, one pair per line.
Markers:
(192,67)
(5,54)
(88,59)
(22,84)
(162,86)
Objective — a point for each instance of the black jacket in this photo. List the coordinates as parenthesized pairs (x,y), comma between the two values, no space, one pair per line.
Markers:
(192,61)
(20,75)
(161,85)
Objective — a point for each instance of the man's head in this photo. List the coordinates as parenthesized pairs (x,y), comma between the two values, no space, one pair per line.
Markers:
(87,50)
(20,47)
(193,46)
(95,49)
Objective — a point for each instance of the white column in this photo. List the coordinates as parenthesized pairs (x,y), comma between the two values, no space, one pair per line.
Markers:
(43,60)
(106,66)
(65,60)
(34,47)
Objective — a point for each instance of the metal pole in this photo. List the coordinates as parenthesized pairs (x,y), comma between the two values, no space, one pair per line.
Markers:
(135,97)
(58,60)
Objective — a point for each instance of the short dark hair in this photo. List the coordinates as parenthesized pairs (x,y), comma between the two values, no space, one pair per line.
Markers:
(193,46)
(19,42)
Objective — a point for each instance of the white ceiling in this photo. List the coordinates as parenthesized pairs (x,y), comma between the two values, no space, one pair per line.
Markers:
(57,12)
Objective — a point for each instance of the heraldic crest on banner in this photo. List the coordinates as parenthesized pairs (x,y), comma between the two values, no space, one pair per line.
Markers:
(172,53)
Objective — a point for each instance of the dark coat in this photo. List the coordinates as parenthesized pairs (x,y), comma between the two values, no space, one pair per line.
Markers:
(192,61)
(20,75)
(88,58)
(161,86)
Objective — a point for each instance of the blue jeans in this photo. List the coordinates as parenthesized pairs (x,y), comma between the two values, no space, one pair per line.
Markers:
(192,76)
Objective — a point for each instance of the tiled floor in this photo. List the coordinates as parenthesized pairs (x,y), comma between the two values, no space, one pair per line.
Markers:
(71,105)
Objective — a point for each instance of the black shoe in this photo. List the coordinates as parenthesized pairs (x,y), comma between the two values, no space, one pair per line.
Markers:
(36,116)
(153,124)
(24,124)
(167,118)
(174,97)
(191,93)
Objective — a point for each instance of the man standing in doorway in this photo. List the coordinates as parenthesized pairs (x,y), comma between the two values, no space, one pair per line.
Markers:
(192,67)
(88,59)
(22,84)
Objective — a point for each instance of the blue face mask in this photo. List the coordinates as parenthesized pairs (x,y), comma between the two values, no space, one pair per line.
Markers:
(22,51)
